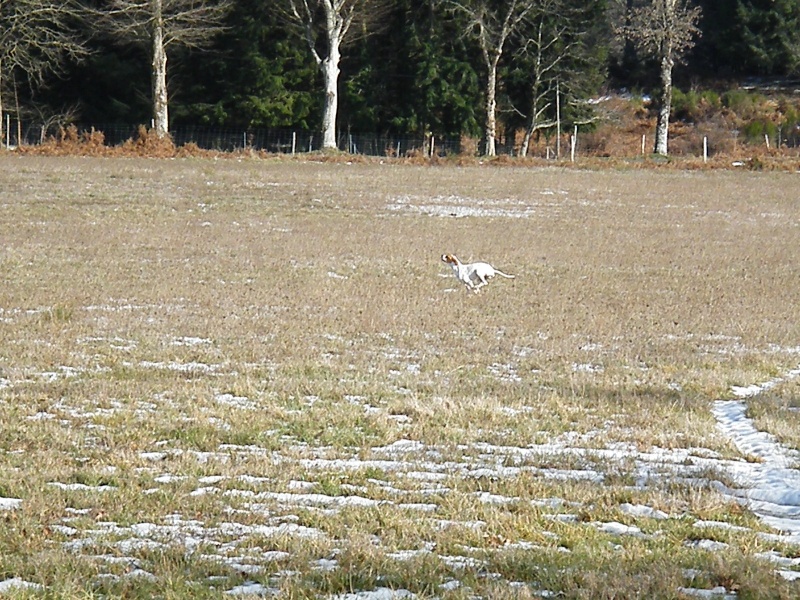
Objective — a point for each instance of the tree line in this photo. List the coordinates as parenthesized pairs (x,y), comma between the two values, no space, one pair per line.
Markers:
(449,68)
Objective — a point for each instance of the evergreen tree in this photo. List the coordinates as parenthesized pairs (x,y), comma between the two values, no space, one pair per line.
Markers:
(414,78)
(255,76)
(749,37)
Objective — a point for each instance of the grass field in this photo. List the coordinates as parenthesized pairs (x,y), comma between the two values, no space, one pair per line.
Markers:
(222,378)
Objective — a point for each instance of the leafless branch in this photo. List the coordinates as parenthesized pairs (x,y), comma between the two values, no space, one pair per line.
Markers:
(38,36)
(190,23)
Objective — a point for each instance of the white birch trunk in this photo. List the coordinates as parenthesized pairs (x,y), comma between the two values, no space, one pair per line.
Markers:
(490,132)
(330,76)
(159,67)
(526,141)
(662,127)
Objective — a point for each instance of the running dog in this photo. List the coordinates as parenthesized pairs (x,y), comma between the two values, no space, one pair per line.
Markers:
(473,275)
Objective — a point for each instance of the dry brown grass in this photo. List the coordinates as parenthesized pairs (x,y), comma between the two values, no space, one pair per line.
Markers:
(136,292)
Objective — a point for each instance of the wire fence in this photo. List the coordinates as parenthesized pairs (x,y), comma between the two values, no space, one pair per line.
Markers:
(694,142)
(279,141)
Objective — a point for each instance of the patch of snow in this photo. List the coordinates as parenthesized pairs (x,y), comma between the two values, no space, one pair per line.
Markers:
(10,503)
(710,545)
(615,528)
(770,488)
(189,367)
(377,594)
(587,368)
(720,525)
(778,558)
(488,498)
(189,341)
(11,585)
(82,487)
(236,401)
(251,588)
(639,510)
(717,593)
(325,564)
(451,585)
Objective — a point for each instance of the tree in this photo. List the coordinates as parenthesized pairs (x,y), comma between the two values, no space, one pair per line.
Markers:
(162,24)
(255,75)
(559,53)
(414,77)
(326,25)
(37,37)
(492,23)
(752,37)
(666,30)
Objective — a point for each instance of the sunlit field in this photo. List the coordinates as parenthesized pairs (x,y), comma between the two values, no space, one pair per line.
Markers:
(222,378)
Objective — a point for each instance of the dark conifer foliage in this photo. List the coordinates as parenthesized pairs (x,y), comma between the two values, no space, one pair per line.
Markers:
(749,38)
(418,74)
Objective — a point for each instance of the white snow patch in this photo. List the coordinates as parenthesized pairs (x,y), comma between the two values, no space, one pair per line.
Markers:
(710,545)
(236,401)
(251,588)
(10,585)
(771,487)
(639,510)
(717,593)
(10,503)
(82,487)
(378,594)
(587,368)
(615,528)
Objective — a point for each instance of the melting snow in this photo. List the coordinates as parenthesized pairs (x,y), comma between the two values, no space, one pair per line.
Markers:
(11,585)
(378,594)
(771,487)
(10,503)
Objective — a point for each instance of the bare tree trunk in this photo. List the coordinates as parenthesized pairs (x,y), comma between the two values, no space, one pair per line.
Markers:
(666,30)
(330,75)
(1,103)
(491,111)
(526,141)
(160,96)
(662,127)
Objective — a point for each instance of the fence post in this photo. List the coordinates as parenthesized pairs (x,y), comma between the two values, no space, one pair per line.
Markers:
(705,149)
(766,140)
(294,141)
(573,142)
(644,138)
(558,123)
(433,145)
(8,131)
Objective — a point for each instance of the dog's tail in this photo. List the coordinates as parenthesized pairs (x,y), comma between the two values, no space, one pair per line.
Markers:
(506,275)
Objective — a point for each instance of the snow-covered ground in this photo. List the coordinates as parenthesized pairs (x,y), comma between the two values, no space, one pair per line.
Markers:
(767,481)
(769,485)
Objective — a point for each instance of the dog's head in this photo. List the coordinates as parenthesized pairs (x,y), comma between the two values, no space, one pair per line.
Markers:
(449,259)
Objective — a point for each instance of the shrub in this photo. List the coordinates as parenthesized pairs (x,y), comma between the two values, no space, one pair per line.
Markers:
(694,106)
(755,130)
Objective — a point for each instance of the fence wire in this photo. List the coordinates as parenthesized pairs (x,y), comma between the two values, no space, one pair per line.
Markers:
(288,141)
(279,141)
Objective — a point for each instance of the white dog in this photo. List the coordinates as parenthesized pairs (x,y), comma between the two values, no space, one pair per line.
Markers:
(473,275)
